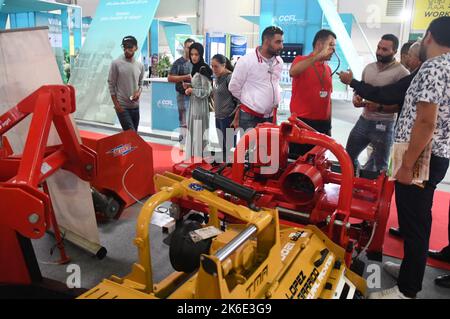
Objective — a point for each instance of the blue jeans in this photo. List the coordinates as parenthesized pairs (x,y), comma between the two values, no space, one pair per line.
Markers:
(129,119)
(223,125)
(378,133)
(248,121)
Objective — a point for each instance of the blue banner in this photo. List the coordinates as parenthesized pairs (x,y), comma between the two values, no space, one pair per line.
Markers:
(113,20)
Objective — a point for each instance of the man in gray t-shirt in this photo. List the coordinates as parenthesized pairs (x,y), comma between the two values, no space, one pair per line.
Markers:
(125,85)
(376,127)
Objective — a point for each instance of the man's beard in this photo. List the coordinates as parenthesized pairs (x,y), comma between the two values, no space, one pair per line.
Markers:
(385,59)
(273,52)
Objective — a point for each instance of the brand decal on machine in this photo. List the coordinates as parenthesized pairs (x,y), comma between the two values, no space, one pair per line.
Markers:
(310,286)
(5,123)
(296,236)
(196,187)
(122,150)
(286,250)
(258,281)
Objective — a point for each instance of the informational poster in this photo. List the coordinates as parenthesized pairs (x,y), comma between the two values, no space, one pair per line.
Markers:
(179,43)
(53,21)
(238,46)
(426,11)
(113,20)
(215,44)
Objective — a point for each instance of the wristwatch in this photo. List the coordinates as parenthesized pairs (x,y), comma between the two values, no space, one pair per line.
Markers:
(380,108)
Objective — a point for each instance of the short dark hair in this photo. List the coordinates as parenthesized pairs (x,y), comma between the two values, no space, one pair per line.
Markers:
(393,39)
(270,32)
(439,29)
(405,47)
(322,35)
(189,40)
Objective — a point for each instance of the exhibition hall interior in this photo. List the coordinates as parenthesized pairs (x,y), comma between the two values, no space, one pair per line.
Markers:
(239,149)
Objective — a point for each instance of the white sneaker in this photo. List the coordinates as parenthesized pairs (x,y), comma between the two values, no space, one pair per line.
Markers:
(392,269)
(392,293)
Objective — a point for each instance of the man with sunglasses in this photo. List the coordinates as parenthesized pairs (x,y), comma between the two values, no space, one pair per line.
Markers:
(125,84)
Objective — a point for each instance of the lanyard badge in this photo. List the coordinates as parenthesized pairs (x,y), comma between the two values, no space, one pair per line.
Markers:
(322,93)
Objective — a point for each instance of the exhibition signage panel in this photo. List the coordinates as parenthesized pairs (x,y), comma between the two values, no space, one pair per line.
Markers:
(300,19)
(216,43)
(113,20)
(427,11)
(238,46)
(164,106)
(172,29)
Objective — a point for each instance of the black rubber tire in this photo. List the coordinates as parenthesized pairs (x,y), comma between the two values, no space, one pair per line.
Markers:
(183,252)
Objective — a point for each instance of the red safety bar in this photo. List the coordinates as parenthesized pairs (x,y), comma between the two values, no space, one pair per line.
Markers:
(26,209)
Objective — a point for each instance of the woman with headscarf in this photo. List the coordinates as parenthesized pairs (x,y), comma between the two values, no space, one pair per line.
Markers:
(198,115)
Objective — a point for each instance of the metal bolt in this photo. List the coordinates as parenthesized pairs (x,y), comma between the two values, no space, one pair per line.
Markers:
(33,218)
(89,167)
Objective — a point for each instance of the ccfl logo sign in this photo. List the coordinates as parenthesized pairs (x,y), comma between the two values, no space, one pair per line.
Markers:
(287,18)
(165,104)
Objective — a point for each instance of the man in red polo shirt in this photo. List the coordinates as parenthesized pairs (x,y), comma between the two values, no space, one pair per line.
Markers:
(312,86)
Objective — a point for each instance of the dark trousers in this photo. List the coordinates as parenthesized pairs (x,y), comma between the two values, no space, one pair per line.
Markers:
(249,121)
(228,138)
(324,127)
(414,216)
(129,119)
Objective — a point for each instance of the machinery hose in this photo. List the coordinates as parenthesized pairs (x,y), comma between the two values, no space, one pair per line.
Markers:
(125,187)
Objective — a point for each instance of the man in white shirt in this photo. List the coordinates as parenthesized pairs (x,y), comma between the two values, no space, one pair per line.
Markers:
(256,81)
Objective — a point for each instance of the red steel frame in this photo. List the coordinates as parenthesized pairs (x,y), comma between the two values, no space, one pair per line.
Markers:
(26,209)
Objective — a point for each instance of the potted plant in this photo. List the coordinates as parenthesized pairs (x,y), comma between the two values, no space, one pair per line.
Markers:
(163,66)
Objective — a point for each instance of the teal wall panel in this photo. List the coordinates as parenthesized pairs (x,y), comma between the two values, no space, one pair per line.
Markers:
(113,20)
(171,29)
